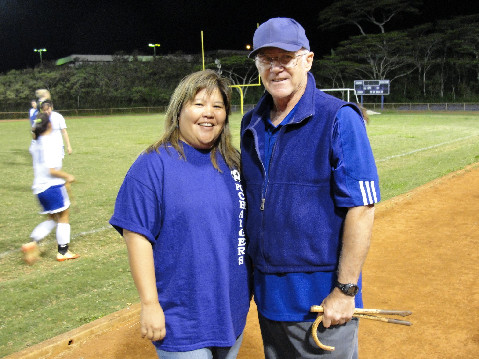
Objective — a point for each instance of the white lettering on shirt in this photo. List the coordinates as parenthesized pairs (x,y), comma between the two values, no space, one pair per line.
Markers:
(242,205)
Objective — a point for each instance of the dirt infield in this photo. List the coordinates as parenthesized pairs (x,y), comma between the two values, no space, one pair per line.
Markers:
(424,257)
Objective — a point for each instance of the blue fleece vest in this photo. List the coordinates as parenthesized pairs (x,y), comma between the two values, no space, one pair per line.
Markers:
(295,226)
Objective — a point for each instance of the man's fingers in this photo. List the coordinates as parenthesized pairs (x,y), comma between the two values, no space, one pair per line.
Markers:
(329,320)
(326,322)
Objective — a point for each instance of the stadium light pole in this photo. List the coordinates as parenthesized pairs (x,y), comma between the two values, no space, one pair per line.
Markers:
(40,52)
(154,46)
(202,50)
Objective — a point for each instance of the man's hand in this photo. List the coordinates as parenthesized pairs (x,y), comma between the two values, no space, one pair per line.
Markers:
(338,308)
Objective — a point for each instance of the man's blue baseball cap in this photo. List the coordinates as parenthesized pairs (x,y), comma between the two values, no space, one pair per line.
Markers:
(280,32)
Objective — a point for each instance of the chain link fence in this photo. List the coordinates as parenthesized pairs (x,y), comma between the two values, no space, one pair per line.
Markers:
(237,108)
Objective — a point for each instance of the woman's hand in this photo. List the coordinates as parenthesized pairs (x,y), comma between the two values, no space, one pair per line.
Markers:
(152,321)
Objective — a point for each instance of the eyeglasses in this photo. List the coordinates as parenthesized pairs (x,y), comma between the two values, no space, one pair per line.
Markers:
(287,61)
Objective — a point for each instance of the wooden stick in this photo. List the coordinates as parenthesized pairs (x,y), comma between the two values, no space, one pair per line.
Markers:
(314,332)
(402,313)
(358,313)
(383,319)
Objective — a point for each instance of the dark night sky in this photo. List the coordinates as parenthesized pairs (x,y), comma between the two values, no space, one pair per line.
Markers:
(106,26)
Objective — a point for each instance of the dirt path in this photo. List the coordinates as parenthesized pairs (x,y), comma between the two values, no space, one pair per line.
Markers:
(424,257)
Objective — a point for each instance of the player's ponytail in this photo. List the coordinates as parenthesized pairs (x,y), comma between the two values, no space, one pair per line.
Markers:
(40,125)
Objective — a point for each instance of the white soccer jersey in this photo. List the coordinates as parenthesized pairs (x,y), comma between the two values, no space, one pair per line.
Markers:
(46,154)
(58,124)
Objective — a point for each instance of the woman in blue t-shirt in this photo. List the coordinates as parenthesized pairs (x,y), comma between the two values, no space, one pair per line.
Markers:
(180,210)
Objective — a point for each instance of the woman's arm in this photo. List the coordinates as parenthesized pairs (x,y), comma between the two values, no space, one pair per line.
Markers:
(66,138)
(62,174)
(140,256)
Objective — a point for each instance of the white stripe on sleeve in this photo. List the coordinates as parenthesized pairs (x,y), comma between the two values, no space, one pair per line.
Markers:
(368,187)
(363,192)
(373,187)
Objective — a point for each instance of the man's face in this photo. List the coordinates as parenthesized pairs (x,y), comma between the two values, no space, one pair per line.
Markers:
(282,79)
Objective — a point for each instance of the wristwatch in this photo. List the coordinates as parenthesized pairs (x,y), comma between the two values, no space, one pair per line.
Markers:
(348,289)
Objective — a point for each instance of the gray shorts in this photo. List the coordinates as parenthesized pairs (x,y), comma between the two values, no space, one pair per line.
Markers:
(291,340)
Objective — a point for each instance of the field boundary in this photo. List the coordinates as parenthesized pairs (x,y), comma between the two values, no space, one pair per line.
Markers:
(406,195)
(56,345)
(394,106)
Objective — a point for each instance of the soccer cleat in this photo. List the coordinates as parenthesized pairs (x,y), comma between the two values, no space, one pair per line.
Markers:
(66,256)
(31,253)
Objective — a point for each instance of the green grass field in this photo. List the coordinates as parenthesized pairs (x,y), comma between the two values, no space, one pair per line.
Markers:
(49,298)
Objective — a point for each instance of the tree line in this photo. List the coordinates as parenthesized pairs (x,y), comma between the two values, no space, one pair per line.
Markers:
(127,81)
(430,62)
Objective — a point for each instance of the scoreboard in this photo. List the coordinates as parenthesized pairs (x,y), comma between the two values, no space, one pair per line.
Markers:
(371,87)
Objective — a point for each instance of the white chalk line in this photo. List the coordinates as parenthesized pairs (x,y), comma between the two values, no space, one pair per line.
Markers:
(74,236)
(424,149)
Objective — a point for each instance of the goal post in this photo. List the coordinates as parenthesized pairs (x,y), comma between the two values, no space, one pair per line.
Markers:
(347,90)
(240,88)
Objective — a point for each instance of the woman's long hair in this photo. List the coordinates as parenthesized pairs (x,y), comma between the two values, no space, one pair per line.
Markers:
(186,91)
(40,125)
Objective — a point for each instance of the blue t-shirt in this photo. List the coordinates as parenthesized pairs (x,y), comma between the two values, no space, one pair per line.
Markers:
(289,296)
(193,216)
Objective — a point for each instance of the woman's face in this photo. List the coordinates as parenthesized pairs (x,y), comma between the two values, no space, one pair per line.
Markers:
(202,120)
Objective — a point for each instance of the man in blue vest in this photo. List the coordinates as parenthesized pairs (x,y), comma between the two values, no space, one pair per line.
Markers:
(311,183)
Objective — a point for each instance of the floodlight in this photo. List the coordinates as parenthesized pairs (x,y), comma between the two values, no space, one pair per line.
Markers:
(40,52)
(154,46)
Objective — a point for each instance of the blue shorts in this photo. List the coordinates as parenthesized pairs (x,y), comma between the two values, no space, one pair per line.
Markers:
(54,200)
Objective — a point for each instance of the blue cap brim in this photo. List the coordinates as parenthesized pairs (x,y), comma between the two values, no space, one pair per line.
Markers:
(279,45)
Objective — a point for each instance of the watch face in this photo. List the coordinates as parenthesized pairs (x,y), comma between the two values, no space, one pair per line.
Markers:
(349,289)
(352,290)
